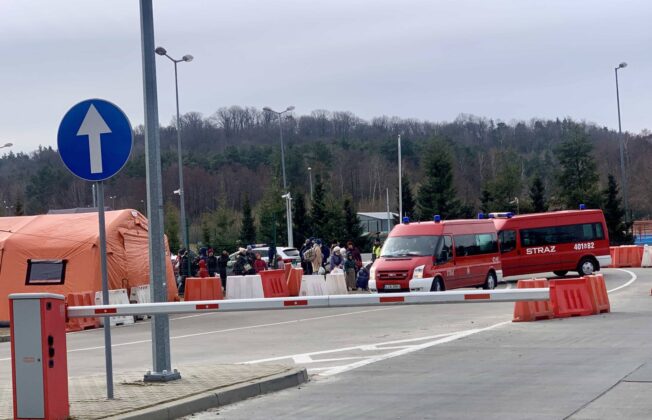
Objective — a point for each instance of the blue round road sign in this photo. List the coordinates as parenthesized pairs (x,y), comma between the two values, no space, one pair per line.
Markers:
(95,139)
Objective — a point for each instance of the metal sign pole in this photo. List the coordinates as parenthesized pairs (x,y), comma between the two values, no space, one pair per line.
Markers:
(99,190)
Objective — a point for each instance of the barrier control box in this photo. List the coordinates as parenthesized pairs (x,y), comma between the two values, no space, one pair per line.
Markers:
(38,354)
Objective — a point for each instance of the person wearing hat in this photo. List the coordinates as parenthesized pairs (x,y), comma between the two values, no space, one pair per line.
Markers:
(211,263)
(241,266)
(336,259)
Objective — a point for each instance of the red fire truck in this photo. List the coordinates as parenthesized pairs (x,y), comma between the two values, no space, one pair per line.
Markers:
(438,255)
(558,241)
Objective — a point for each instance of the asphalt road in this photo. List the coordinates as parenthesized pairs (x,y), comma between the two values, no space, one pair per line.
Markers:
(443,361)
(474,364)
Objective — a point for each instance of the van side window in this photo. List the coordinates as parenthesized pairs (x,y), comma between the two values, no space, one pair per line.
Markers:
(507,240)
(446,252)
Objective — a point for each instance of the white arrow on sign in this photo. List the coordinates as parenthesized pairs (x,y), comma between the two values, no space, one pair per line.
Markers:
(93,126)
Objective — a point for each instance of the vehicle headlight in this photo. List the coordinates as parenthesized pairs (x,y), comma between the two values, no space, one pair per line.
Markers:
(372,273)
(418,272)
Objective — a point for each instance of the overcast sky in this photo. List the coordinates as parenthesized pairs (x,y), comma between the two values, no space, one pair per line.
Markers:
(431,59)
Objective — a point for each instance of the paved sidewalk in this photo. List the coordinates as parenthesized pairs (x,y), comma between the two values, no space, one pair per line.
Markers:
(200,388)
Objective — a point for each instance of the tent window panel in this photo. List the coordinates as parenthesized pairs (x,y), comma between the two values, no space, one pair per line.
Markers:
(40,272)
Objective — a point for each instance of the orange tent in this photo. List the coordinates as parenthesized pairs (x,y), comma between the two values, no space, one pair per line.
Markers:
(60,253)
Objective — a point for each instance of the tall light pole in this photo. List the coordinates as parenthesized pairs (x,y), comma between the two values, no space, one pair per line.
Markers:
(310,179)
(288,198)
(400,182)
(182,204)
(623,176)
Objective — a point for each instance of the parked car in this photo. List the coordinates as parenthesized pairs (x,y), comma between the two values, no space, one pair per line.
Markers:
(289,255)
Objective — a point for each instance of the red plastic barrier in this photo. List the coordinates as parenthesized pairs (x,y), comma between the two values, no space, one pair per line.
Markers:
(532,311)
(294,281)
(274,284)
(571,297)
(203,288)
(81,299)
(599,295)
(626,256)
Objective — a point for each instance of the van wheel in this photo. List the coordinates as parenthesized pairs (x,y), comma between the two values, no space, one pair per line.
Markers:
(491,282)
(437,285)
(560,273)
(586,266)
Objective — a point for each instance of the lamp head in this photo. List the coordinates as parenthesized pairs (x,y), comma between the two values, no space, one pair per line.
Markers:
(160,51)
(8,145)
(290,108)
(622,65)
(267,109)
(187,58)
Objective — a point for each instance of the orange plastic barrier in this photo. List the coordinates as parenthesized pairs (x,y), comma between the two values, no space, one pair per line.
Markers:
(626,256)
(81,299)
(571,297)
(599,295)
(203,288)
(294,281)
(532,311)
(274,284)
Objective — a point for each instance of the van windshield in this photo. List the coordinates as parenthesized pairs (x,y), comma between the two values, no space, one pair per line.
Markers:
(410,246)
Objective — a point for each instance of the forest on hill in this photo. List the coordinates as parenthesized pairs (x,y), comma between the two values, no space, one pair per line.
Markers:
(232,162)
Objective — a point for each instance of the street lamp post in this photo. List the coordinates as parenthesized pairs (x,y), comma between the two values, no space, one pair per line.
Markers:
(310,179)
(400,182)
(288,198)
(623,176)
(182,205)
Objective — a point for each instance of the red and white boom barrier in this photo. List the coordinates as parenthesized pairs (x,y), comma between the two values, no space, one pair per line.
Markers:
(334,301)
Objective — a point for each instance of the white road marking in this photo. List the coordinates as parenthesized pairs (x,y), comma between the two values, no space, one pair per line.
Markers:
(307,358)
(632,280)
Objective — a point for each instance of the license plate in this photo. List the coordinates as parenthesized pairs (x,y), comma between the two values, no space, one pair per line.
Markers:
(392,286)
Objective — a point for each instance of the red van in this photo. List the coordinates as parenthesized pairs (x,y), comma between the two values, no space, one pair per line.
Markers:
(557,241)
(439,255)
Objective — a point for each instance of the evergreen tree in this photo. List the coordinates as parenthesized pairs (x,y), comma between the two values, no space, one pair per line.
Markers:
(486,200)
(352,228)
(409,205)
(437,194)
(272,226)
(318,209)
(247,229)
(19,210)
(506,187)
(577,177)
(538,196)
(172,227)
(619,230)
(301,220)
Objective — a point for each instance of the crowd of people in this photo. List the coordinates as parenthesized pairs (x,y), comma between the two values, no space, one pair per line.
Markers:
(319,258)
(316,258)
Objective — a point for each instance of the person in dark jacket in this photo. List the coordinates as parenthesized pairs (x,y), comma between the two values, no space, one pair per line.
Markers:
(222,262)
(349,271)
(211,263)
(362,282)
(355,252)
(241,266)
(183,270)
(325,253)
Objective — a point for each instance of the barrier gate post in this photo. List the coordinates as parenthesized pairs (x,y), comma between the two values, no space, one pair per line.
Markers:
(38,354)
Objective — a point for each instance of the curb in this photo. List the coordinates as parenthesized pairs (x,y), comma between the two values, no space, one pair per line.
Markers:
(219,397)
